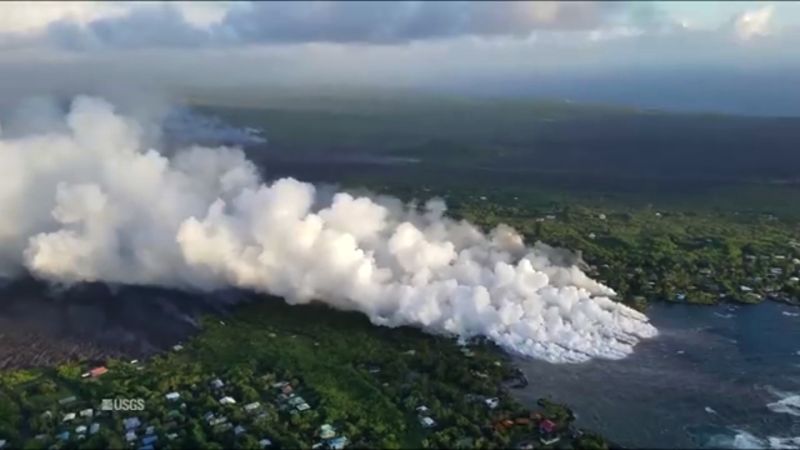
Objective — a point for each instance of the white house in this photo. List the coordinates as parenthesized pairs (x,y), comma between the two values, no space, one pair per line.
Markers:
(492,403)
(69,417)
(227,400)
(80,429)
(250,407)
(217,383)
(88,412)
(427,422)
(94,428)
(130,436)
(172,396)
(264,443)
(131,423)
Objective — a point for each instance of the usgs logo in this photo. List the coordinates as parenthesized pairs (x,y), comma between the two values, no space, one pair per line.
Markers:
(122,404)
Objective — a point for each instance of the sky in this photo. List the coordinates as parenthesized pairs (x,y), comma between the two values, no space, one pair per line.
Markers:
(738,57)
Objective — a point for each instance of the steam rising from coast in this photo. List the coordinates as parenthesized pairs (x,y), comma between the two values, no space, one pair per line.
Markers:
(87,201)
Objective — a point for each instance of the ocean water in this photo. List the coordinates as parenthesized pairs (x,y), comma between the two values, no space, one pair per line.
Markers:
(716,377)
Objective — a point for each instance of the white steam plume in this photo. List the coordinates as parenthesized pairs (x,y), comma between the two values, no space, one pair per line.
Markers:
(87,203)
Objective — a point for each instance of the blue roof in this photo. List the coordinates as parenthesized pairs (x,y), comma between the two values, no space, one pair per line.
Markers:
(147,440)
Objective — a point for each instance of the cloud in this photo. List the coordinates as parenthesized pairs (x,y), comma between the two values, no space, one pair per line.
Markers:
(87,200)
(754,23)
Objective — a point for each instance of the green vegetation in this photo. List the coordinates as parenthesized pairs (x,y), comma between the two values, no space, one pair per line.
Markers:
(299,376)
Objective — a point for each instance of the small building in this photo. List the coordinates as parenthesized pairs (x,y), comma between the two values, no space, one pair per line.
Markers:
(227,400)
(337,443)
(547,426)
(68,417)
(492,403)
(264,443)
(217,383)
(239,430)
(94,428)
(80,429)
(208,416)
(130,436)
(67,400)
(131,423)
(177,347)
(149,440)
(150,430)
(250,407)
(303,407)
(427,422)
(422,409)
(63,436)
(2,443)
(88,412)
(173,396)
(326,431)
(98,371)
(745,288)
(287,389)
(172,436)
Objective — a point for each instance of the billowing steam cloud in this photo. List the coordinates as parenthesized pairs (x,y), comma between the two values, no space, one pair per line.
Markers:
(87,202)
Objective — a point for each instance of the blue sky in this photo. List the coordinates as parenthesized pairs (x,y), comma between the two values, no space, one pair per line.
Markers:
(655,54)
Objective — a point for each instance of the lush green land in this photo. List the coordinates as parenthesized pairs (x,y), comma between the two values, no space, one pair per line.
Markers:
(365,381)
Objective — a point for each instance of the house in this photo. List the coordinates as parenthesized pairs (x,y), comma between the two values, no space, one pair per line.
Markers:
(227,400)
(88,412)
(2,443)
(492,403)
(264,443)
(601,216)
(208,416)
(303,407)
(250,407)
(150,430)
(172,396)
(67,400)
(68,417)
(80,429)
(239,430)
(326,431)
(134,361)
(592,235)
(337,443)
(218,421)
(94,428)
(422,409)
(287,389)
(172,436)
(177,347)
(427,422)
(98,371)
(745,289)
(149,440)
(63,436)
(47,414)
(131,423)
(130,436)
(217,383)
(547,426)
